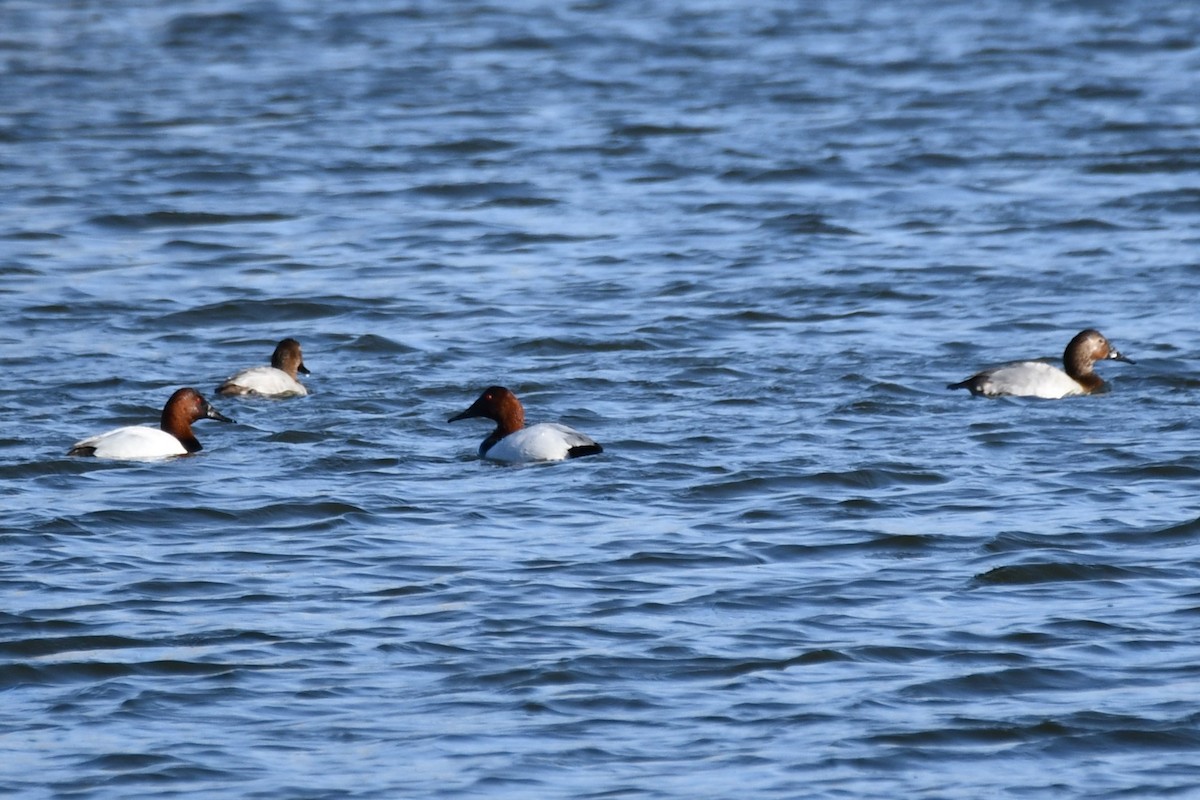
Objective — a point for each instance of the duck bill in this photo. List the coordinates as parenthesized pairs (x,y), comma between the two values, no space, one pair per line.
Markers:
(470,412)
(303,369)
(1115,355)
(212,413)
(473,411)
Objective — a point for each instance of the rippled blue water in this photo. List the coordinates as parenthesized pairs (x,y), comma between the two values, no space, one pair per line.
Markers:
(743,247)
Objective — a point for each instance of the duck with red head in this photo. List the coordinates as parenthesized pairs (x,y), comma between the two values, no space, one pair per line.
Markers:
(513,443)
(1040,379)
(173,436)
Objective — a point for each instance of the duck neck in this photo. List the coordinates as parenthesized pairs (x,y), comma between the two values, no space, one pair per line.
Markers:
(1078,367)
(181,431)
(509,419)
(490,442)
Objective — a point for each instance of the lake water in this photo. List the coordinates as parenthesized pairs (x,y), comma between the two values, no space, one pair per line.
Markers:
(744,246)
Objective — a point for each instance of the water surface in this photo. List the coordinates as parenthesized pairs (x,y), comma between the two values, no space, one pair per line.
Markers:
(745,249)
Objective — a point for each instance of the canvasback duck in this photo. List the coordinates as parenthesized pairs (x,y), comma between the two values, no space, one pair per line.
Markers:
(277,380)
(1041,379)
(173,436)
(514,443)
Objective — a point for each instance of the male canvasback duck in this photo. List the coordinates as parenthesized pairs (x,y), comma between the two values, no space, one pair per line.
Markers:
(513,443)
(277,380)
(1040,379)
(173,436)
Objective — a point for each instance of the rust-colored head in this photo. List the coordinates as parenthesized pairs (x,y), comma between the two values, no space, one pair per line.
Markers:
(498,404)
(182,409)
(1088,347)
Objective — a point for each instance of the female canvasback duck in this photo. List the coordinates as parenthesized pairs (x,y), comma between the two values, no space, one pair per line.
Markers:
(513,443)
(277,380)
(173,436)
(1039,379)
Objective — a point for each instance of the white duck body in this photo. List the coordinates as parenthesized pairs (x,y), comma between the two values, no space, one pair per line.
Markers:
(545,441)
(1027,379)
(266,381)
(132,442)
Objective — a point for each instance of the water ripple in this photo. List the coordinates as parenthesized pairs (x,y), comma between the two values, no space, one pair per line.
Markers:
(746,248)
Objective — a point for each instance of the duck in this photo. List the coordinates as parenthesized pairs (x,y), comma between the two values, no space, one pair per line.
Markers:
(514,443)
(277,380)
(173,436)
(1044,380)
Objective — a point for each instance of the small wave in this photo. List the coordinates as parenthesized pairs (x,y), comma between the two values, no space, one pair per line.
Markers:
(88,672)
(260,312)
(927,161)
(802,224)
(181,219)
(221,28)
(471,146)
(43,646)
(1051,572)
(467,190)
(1000,683)
(1178,201)
(1142,164)
(643,131)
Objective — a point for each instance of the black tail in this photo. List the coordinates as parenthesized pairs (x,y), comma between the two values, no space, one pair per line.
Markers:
(584,450)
